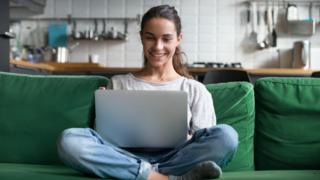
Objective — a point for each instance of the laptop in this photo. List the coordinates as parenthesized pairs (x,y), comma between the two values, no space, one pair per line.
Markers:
(142,119)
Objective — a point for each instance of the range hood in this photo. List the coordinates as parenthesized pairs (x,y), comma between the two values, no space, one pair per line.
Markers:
(26,8)
(302,27)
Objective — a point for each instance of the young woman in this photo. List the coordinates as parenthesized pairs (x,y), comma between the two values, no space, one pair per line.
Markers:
(209,146)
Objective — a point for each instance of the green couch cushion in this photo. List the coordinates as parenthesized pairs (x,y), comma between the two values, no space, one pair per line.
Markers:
(272,175)
(54,172)
(287,123)
(39,172)
(34,110)
(234,105)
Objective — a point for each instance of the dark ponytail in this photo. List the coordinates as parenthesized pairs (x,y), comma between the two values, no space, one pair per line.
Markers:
(169,13)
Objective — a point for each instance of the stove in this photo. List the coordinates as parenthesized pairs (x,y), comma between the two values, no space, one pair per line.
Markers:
(216,65)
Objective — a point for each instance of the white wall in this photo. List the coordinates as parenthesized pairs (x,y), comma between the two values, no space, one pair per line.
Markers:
(214,31)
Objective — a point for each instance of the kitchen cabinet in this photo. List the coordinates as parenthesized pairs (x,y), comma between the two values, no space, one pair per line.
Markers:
(24,8)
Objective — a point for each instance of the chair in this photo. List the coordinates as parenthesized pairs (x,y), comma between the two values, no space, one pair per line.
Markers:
(316,74)
(225,75)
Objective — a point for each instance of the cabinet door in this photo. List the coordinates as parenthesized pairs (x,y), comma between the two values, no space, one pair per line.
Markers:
(4,40)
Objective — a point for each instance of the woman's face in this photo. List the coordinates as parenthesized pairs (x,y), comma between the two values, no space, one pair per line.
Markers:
(159,39)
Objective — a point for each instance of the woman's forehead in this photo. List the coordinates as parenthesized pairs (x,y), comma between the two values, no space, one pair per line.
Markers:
(159,26)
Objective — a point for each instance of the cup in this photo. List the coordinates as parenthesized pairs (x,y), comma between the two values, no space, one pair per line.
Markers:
(94,58)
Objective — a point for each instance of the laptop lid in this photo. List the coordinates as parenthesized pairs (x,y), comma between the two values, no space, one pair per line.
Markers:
(142,119)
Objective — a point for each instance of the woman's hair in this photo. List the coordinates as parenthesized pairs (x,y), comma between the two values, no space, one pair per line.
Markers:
(169,13)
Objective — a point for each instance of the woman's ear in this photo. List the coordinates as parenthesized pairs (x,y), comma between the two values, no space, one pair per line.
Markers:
(179,38)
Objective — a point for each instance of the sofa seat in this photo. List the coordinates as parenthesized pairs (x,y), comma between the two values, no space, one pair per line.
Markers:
(273,175)
(12,171)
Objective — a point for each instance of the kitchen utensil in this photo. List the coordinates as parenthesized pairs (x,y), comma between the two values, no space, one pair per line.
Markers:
(95,31)
(104,34)
(248,19)
(114,33)
(75,33)
(254,21)
(47,54)
(262,38)
(310,12)
(89,34)
(292,12)
(122,36)
(274,35)
(269,19)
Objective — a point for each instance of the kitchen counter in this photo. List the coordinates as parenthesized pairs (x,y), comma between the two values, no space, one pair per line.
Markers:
(56,68)
(266,71)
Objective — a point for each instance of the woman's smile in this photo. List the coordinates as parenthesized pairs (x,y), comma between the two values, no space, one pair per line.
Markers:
(157,54)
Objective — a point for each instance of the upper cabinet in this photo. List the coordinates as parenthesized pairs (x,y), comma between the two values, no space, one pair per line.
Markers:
(26,8)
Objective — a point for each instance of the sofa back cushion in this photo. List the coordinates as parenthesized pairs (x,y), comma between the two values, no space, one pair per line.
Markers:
(34,110)
(287,123)
(234,105)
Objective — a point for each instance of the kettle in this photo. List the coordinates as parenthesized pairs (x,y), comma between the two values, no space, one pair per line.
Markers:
(301,55)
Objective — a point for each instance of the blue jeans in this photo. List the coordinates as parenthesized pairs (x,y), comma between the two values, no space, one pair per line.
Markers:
(84,150)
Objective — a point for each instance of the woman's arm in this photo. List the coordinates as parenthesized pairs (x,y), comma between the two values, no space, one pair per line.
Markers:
(202,109)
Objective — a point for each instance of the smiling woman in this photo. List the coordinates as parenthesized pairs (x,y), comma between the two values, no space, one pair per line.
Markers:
(208,146)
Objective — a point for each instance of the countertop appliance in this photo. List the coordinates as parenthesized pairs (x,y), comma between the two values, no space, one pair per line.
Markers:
(301,54)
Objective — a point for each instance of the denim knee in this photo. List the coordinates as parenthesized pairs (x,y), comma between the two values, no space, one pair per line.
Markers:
(71,144)
(229,136)
(228,142)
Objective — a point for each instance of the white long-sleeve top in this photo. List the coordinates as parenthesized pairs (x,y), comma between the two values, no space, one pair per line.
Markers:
(200,105)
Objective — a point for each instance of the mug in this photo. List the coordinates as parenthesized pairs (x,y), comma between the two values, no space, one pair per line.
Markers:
(94,58)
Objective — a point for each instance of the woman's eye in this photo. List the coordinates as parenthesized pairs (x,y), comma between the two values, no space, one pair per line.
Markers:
(167,39)
(149,38)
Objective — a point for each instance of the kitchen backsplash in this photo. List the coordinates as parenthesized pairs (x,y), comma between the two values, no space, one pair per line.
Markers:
(213,31)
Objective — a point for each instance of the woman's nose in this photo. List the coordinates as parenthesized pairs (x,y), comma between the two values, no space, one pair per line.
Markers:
(158,44)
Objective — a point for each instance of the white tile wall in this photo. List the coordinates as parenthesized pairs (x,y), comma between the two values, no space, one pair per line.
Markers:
(80,8)
(116,8)
(213,30)
(62,8)
(98,8)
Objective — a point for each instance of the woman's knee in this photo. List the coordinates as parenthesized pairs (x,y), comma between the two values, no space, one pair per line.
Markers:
(224,136)
(228,136)
(72,143)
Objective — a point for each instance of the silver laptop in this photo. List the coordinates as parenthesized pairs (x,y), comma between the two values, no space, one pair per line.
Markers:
(142,119)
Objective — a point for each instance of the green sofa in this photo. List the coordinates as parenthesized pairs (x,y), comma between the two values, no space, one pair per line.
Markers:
(277,122)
